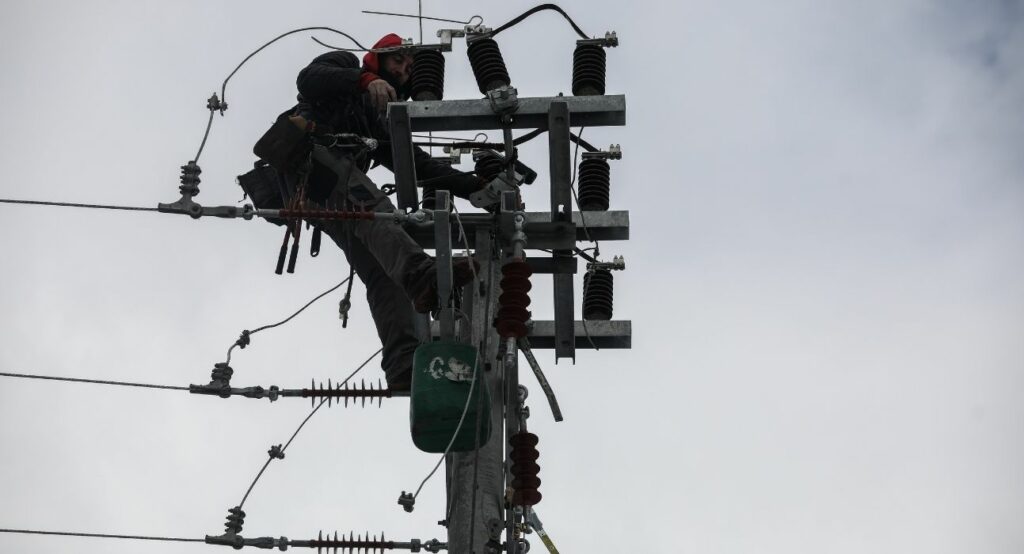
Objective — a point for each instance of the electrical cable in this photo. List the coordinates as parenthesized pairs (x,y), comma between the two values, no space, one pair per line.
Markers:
(94,381)
(99,535)
(301,425)
(75,205)
(536,9)
(423,17)
(243,341)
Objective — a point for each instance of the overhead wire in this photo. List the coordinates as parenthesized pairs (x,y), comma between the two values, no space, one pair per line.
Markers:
(76,205)
(93,381)
(99,535)
(299,428)
(243,340)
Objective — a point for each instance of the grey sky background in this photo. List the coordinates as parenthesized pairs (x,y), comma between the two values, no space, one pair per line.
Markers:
(824,281)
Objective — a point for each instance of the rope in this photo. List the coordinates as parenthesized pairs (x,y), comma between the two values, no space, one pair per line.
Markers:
(301,425)
(74,205)
(94,381)
(99,535)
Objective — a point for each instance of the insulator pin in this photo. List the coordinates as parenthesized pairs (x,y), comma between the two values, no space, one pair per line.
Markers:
(488,65)
(597,294)
(428,75)
(595,185)
(588,70)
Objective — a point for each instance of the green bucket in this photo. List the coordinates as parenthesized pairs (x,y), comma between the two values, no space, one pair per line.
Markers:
(442,384)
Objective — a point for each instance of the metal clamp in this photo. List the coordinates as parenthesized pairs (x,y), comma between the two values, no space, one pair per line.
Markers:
(614,152)
(610,40)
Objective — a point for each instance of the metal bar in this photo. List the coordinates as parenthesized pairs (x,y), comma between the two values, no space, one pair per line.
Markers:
(402,155)
(471,115)
(549,265)
(615,334)
(443,256)
(612,225)
(561,211)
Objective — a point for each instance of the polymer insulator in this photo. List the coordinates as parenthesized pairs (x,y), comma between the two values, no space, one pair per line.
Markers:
(428,75)
(524,469)
(352,544)
(236,518)
(515,287)
(339,391)
(588,70)
(190,178)
(488,165)
(597,294)
(324,214)
(595,185)
(488,65)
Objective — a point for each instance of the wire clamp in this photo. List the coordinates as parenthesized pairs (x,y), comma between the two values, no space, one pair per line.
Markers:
(276,452)
(408,502)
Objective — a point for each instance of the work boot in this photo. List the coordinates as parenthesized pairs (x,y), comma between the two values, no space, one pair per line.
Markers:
(462,273)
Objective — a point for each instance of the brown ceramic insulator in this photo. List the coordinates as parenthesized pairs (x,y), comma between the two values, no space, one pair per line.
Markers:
(324,214)
(524,469)
(512,303)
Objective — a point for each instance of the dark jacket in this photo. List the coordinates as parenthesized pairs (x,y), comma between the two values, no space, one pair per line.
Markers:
(331,94)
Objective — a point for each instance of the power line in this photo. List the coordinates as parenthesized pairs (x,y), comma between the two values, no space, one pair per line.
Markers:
(75,205)
(99,535)
(94,381)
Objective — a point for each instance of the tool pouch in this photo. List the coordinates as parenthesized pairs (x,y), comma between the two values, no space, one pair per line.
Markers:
(263,186)
(285,145)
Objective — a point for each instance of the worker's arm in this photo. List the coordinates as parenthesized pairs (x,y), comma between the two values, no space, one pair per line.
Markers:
(437,175)
(331,75)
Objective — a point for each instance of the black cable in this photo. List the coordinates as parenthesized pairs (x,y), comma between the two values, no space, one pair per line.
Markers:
(580,142)
(301,425)
(99,535)
(74,205)
(246,334)
(539,8)
(94,381)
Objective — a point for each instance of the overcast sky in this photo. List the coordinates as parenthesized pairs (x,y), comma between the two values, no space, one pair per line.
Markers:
(824,278)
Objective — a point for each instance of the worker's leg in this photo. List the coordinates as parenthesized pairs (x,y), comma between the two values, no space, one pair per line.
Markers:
(391,310)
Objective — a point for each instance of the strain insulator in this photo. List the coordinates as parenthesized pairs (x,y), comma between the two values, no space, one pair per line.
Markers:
(488,164)
(236,518)
(339,391)
(597,294)
(588,70)
(515,287)
(325,214)
(190,178)
(595,183)
(351,544)
(524,469)
(488,65)
(428,75)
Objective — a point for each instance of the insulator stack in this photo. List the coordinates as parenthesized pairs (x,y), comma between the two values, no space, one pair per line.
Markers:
(524,469)
(354,543)
(325,214)
(597,294)
(489,165)
(190,178)
(514,299)
(588,70)
(428,75)
(595,184)
(236,518)
(334,393)
(488,65)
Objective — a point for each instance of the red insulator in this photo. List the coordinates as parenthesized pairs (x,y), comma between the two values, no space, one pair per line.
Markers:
(524,469)
(514,299)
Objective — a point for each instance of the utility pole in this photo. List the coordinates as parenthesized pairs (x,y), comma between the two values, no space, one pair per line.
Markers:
(484,512)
